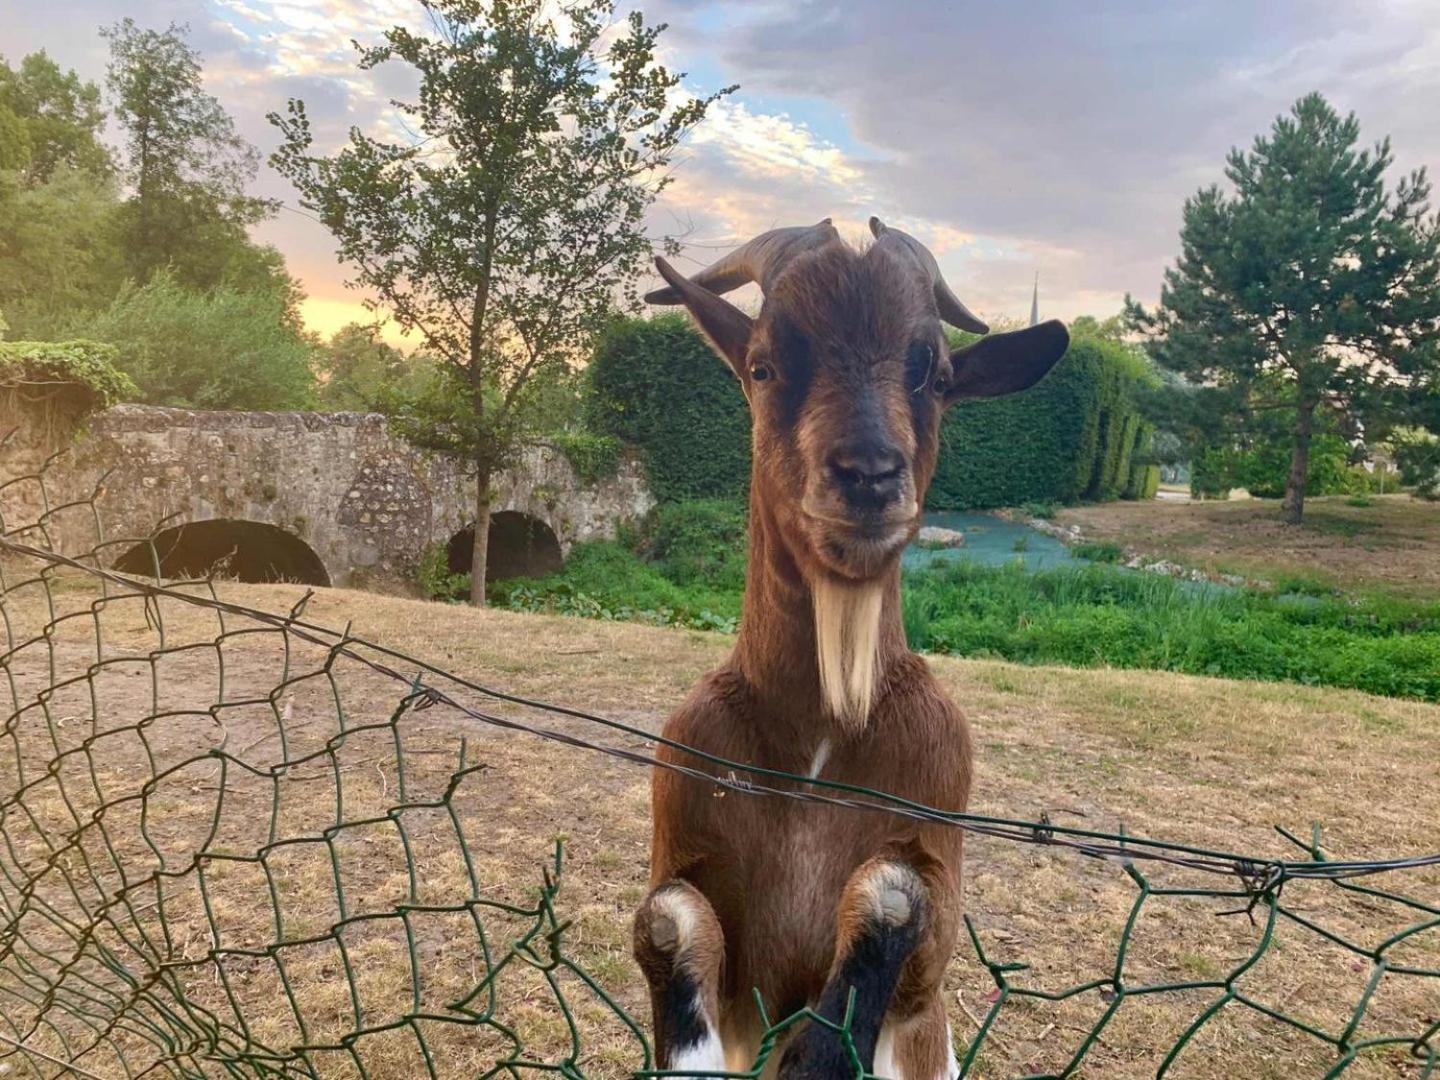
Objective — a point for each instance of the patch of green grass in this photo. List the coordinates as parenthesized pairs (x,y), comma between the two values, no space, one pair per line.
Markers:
(1337,524)
(688,571)
(1098,551)
(603,580)
(1097,616)
(1198,966)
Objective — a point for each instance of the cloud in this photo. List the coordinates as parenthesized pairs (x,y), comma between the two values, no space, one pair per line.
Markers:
(1062,137)
(1012,138)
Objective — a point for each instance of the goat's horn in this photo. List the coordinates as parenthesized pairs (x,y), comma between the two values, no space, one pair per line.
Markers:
(760,260)
(951,309)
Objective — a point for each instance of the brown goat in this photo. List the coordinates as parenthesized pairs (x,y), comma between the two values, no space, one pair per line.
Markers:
(847,373)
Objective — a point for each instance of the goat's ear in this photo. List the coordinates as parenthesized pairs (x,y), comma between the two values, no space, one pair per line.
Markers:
(727,327)
(1006,363)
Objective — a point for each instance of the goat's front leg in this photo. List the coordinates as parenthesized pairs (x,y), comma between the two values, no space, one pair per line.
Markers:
(895,931)
(680,948)
(882,915)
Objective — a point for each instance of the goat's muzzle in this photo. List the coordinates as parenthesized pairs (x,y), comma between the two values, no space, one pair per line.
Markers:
(870,477)
(861,507)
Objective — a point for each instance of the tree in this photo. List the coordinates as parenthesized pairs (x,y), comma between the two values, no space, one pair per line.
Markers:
(360,372)
(1308,287)
(50,121)
(59,253)
(185,163)
(505,231)
(222,349)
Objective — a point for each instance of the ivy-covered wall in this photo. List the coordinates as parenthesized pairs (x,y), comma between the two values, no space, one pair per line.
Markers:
(655,384)
(82,369)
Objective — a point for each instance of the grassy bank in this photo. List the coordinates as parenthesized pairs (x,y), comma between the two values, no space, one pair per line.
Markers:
(1089,616)
(1096,616)
(1387,543)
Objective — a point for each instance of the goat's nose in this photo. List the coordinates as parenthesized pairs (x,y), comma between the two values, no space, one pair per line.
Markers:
(868,474)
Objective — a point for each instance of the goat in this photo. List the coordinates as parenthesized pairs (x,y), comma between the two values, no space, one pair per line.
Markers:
(847,372)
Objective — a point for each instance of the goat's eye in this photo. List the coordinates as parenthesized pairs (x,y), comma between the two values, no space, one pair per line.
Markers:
(920,365)
(759,372)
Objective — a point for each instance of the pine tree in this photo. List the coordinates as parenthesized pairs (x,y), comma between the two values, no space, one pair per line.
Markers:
(1308,286)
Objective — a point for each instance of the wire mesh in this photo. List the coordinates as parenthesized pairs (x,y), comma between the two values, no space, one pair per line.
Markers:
(239,842)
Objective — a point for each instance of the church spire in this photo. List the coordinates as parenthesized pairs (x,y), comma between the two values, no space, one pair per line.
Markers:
(1035,302)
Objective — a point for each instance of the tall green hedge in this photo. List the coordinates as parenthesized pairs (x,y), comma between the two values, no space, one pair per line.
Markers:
(1075,435)
(656,384)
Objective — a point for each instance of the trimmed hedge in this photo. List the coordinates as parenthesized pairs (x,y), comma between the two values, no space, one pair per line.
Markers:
(1077,434)
(84,368)
(656,384)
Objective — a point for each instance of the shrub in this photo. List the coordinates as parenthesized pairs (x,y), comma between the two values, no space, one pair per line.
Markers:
(656,385)
(697,542)
(1263,468)
(1211,473)
(1417,456)
(1144,482)
(222,349)
(593,457)
(437,581)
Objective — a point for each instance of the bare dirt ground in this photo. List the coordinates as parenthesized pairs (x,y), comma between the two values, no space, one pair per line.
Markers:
(418,893)
(1391,545)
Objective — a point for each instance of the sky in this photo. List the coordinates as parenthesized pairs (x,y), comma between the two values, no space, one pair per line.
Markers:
(1015,138)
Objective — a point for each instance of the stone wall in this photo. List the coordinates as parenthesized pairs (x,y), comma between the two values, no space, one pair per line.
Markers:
(365,501)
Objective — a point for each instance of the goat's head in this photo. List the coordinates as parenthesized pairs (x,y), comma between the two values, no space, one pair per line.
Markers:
(847,373)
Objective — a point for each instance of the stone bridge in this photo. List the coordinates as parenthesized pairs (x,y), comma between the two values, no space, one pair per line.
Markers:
(320,498)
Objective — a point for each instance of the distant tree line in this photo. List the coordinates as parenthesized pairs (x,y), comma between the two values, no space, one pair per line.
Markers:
(146,245)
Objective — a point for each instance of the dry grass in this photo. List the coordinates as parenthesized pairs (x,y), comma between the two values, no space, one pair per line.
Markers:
(1391,545)
(1208,762)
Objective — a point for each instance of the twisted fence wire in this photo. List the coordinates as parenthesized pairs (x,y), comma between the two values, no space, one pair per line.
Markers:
(173,899)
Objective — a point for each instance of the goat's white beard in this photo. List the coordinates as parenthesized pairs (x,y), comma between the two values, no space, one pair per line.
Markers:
(847,641)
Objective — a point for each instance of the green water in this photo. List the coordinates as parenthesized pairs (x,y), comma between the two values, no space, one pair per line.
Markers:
(991,541)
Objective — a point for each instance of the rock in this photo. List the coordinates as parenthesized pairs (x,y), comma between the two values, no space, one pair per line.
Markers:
(935,536)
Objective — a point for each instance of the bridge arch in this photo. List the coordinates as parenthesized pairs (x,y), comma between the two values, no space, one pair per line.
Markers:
(251,551)
(521,545)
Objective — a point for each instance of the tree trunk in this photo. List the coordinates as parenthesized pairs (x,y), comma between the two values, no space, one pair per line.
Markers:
(482,539)
(1294,505)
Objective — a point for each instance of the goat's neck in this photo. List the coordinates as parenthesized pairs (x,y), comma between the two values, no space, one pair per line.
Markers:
(777,649)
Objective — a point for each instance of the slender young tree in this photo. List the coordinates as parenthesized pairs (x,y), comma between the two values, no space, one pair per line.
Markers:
(185,164)
(1308,286)
(508,223)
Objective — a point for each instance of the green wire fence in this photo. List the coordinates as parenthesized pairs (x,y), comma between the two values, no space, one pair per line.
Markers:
(237,842)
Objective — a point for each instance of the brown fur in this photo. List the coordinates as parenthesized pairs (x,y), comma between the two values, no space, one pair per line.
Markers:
(784,877)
